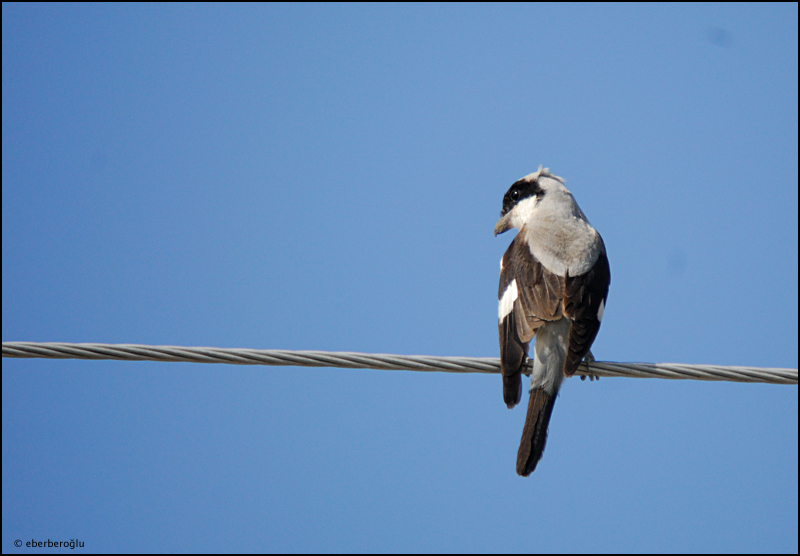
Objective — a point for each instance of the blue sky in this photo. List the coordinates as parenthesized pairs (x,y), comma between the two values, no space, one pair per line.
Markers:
(328,177)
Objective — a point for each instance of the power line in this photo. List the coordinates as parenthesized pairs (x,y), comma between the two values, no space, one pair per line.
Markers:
(352,360)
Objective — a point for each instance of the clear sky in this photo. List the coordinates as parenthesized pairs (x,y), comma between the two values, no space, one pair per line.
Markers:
(328,177)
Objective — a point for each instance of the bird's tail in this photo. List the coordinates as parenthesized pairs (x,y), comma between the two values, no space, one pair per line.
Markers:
(534,435)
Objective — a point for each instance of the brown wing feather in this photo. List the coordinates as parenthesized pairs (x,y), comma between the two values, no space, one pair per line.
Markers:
(539,300)
(540,291)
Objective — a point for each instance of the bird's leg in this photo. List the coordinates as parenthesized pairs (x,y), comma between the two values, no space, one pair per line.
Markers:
(586,360)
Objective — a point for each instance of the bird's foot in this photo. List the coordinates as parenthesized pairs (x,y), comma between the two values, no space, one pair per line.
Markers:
(586,361)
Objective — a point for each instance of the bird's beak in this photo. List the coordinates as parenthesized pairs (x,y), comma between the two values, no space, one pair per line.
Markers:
(503,225)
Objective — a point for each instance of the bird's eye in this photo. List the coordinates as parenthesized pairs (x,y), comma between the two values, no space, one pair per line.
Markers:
(515,195)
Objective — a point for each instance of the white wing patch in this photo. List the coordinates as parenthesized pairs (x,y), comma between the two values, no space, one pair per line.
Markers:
(507,300)
(601,310)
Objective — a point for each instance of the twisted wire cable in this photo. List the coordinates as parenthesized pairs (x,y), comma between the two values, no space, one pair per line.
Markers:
(352,360)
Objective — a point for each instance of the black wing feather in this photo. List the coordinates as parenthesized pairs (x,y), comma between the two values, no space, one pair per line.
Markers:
(582,298)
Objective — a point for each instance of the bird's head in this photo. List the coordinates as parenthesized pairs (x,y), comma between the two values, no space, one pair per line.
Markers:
(521,199)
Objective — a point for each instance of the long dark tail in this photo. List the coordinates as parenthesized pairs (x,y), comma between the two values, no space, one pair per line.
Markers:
(534,435)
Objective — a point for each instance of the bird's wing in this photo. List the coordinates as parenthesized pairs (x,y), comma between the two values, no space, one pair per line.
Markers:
(539,291)
(583,303)
(529,296)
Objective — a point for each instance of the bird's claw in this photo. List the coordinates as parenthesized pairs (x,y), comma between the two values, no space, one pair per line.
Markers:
(586,360)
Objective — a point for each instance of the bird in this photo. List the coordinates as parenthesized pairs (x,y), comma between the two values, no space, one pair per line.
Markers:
(554,281)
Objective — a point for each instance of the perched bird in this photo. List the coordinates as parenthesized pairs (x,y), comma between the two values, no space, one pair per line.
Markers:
(554,281)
